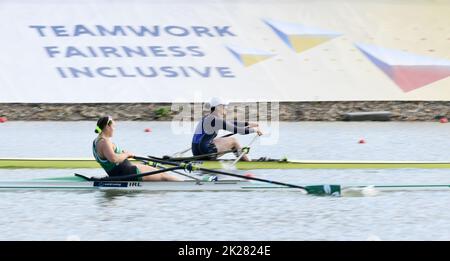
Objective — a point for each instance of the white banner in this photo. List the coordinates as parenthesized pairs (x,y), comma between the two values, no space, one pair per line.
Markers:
(165,51)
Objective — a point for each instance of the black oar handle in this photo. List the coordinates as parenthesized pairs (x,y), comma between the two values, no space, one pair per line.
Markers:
(190,167)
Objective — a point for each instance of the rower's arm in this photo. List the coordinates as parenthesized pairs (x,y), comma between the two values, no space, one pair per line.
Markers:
(252,124)
(242,123)
(107,149)
(247,124)
(237,127)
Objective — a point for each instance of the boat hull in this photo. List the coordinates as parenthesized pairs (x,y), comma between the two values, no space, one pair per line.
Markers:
(139,185)
(77,183)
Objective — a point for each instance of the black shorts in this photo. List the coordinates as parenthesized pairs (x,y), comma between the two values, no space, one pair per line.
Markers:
(201,149)
(123,169)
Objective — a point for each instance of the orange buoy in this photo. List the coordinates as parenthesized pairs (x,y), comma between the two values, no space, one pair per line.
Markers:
(148,130)
(3,119)
(443,120)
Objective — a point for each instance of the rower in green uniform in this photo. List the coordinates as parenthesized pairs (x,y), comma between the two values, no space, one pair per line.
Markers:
(115,160)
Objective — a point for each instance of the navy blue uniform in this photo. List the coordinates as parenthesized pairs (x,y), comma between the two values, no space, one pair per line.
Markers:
(208,128)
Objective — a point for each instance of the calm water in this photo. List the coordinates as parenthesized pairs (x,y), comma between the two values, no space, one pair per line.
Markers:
(107,215)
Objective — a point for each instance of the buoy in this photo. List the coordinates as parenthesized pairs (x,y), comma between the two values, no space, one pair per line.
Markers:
(443,120)
(148,130)
(362,141)
(3,119)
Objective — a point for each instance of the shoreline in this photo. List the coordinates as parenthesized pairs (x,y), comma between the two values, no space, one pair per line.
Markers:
(288,111)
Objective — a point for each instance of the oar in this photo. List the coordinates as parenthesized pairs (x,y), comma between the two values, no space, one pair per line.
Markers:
(178,154)
(193,158)
(314,190)
(245,150)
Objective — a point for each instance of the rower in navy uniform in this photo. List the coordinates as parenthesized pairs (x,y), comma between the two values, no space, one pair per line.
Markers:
(205,140)
(115,160)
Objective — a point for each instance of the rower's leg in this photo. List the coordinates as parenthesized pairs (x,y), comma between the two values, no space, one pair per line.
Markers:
(229,143)
(156,177)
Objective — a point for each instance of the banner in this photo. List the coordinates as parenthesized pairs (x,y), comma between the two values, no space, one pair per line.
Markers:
(178,51)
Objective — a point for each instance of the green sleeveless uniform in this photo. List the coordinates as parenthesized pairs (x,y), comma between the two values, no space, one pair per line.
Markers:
(115,169)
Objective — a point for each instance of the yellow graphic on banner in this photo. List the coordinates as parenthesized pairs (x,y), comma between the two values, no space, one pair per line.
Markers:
(302,43)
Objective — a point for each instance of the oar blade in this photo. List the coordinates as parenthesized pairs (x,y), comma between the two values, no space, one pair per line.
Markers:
(324,190)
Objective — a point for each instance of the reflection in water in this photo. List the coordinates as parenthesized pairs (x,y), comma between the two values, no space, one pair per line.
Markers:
(257,215)
(107,196)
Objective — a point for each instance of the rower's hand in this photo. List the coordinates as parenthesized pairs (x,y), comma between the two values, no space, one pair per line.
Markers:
(129,154)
